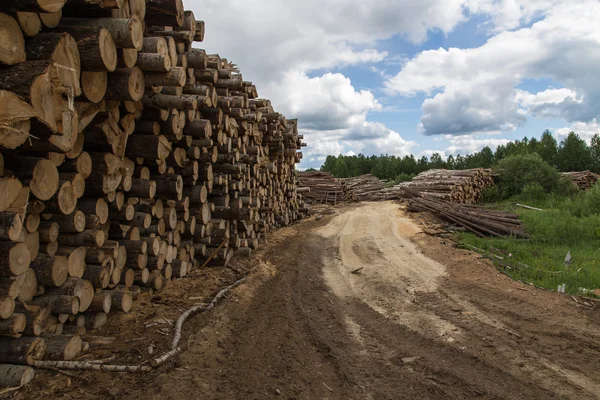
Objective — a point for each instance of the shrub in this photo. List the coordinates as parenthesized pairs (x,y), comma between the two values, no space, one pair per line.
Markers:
(533,192)
(586,203)
(403,178)
(566,187)
(516,172)
(491,195)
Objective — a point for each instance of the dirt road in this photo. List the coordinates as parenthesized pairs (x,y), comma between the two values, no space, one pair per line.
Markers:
(362,305)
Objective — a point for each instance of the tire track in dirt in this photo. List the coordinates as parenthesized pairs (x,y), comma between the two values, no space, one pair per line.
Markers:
(421,320)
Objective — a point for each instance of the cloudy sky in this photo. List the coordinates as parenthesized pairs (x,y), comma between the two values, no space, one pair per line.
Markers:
(406,76)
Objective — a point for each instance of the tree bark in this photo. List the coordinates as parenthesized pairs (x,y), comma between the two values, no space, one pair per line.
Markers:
(14,258)
(48,6)
(15,375)
(50,271)
(126,33)
(97,49)
(126,84)
(153,62)
(23,351)
(164,12)
(63,347)
(13,326)
(11,225)
(102,302)
(39,174)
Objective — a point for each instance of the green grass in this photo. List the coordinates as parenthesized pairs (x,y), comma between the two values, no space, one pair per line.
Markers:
(565,225)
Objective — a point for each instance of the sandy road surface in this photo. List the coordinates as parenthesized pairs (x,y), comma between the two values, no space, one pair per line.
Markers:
(420,320)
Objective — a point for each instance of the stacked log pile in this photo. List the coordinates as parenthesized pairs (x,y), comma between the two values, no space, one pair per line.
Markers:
(584,180)
(320,188)
(129,158)
(367,188)
(478,220)
(458,186)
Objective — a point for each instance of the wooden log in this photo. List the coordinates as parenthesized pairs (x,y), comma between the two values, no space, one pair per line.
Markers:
(80,163)
(166,101)
(59,304)
(48,231)
(98,207)
(143,188)
(102,302)
(39,174)
(95,320)
(15,375)
(9,191)
(11,225)
(154,62)
(61,50)
(30,23)
(176,76)
(7,306)
(71,223)
(23,351)
(38,83)
(14,259)
(32,240)
(12,45)
(37,315)
(10,286)
(127,58)
(50,271)
(85,238)
(155,280)
(165,12)
(76,257)
(49,248)
(126,33)
(13,326)
(64,201)
(148,147)
(127,277)
(63,347)
(74,330)
(126,84)
(42,6)
(94,85)
(122,300)
(96,47)
(51,20)
(97,274)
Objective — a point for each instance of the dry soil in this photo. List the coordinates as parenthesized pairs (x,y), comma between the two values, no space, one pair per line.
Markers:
(358,305)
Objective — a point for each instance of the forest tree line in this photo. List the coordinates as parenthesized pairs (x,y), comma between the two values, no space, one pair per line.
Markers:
(571,154)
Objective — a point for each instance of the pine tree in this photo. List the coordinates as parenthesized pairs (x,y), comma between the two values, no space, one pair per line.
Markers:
(595,153)
(574,154)
(547,148)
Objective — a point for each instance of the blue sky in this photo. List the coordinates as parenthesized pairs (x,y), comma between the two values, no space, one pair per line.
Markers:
(401,77)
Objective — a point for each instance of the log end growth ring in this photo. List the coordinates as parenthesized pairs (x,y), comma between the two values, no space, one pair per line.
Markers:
(94,85)
(136,84)
(108,50)
(44,183)
(12,42)
(51,6)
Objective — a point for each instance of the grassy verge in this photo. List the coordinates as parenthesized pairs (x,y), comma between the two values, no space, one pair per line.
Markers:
(564,225)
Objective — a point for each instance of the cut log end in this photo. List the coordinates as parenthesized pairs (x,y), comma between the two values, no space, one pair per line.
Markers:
(12,42)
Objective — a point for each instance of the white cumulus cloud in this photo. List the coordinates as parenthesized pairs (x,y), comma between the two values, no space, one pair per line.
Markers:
(476,89)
